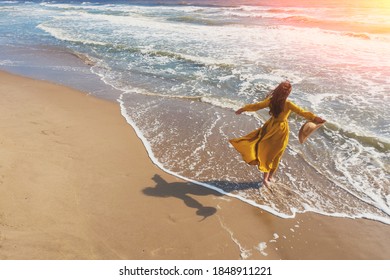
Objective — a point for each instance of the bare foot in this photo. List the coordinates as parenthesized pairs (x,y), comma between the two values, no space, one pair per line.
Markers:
(271,179)
(266,184)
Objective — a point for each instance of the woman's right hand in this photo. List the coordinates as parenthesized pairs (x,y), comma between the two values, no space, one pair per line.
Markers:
(319,120)
(239,111)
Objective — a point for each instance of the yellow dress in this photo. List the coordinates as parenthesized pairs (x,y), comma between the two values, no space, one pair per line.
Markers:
(265,146)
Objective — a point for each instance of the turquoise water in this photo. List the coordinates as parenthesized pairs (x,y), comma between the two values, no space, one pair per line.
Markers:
(179,71)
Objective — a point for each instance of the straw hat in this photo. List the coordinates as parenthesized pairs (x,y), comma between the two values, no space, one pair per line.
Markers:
(307,129)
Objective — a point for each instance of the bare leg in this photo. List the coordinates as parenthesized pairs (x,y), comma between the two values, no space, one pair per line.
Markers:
(271,174)
(265,179)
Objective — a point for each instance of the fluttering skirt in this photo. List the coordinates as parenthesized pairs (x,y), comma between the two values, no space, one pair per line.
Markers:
(264,146)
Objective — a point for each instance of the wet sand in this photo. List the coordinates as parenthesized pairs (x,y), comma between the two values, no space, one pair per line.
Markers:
(77,183)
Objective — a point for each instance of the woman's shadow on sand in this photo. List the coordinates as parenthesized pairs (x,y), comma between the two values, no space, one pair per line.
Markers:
(183,192)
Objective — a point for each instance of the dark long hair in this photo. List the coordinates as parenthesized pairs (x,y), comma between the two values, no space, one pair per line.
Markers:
(278,98)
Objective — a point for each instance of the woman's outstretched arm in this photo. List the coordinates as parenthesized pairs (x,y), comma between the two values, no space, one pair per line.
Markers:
(303,113)
(254,107)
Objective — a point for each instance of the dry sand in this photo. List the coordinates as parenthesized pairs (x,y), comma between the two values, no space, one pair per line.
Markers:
(77,183)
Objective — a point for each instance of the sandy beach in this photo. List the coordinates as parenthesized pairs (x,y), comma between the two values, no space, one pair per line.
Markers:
(77,183)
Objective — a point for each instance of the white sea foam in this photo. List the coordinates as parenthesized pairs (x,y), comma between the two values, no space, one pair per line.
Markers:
(65,36)
(244,253)
(7,62)
(222,102)
(261,248)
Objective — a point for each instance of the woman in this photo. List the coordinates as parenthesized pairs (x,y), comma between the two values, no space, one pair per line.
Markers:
(265,146)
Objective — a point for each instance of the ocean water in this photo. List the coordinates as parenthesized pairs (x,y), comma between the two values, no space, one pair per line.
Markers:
(179,69)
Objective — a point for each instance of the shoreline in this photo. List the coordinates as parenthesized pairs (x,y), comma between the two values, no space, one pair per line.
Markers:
(82,78)
(77,183)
